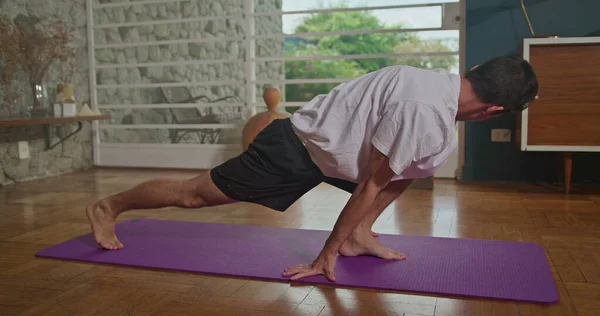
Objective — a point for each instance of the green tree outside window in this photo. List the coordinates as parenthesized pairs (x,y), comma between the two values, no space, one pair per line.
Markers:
(381,43)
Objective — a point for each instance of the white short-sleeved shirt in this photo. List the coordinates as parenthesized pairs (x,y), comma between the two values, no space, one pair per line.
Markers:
(407,113)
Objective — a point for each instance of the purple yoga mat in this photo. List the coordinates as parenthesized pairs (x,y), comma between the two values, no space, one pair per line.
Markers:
(444,266)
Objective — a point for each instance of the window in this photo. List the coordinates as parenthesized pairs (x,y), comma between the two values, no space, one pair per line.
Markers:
(326,44)
(178,76)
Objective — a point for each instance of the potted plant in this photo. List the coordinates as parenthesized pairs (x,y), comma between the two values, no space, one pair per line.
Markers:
(30,49)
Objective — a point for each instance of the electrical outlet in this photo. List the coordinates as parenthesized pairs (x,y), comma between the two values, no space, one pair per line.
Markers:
(501,135)
(23,150)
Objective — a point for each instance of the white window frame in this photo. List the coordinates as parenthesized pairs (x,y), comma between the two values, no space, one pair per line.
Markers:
(205,156)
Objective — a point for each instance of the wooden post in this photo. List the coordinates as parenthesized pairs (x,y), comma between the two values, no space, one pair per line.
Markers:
(423,184)
(568,162)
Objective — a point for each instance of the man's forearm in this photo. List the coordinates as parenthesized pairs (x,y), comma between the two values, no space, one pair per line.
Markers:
(363,207)
(377,176)
(390,193)
(352,214)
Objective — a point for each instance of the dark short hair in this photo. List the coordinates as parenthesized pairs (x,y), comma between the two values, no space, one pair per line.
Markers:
(508,81)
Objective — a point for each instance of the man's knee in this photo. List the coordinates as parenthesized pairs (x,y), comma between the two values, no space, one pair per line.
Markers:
(194,201)
(201,192)
(341,184)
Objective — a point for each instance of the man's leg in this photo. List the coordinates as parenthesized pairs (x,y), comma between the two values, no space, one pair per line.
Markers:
(274,172)
(362,241)
(344,186)
(197,192)
(384,199)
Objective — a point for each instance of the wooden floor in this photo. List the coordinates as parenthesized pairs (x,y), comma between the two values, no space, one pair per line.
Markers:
(37,214)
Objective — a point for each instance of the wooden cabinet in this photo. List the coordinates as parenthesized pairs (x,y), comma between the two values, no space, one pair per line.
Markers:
(566,116)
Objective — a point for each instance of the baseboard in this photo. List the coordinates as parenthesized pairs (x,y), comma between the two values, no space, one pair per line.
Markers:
(156,156)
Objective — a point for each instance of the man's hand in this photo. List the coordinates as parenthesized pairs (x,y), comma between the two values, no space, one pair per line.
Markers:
(323,265)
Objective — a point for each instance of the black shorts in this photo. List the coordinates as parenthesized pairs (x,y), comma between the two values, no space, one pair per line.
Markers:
(275,170)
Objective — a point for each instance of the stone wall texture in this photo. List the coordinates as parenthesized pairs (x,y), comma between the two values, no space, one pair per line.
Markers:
(206,41)
(213,51)
(75,153)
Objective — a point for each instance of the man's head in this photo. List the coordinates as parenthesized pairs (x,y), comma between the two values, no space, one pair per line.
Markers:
(498,86)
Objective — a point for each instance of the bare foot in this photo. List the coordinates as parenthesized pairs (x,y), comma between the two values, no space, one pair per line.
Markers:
(103,222)
(365,244)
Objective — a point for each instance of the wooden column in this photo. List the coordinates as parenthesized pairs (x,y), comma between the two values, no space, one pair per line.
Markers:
(568,162)
(423,184)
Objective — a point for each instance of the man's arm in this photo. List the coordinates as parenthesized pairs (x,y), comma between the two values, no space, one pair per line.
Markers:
(388,195)
(377,177)
(406,132)
(375,180)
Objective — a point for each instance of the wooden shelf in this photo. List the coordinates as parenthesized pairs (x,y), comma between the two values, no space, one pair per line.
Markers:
(46,121)
(22,121)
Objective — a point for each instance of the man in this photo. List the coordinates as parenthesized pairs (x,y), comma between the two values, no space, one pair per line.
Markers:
(370,136)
